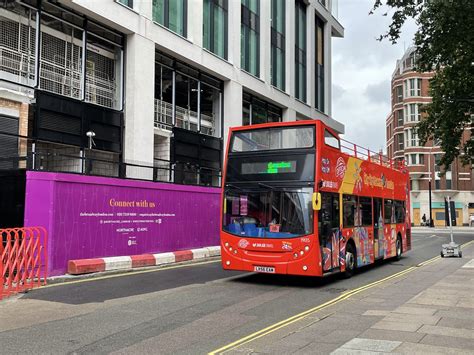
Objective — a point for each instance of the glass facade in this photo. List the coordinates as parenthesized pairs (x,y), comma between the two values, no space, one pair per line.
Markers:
(250,37)
(128,3)
(300,50)
(255,111)
(215,26)
(278,44)
(172,14)
(61,53)
(186,98)
(319,82)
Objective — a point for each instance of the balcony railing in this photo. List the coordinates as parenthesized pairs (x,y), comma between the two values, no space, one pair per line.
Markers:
(42,155)
(63,80)
(185,118)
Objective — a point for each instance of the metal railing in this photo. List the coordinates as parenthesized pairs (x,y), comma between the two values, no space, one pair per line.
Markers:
(360,152)
(48,156)
(185,118)
(63,80)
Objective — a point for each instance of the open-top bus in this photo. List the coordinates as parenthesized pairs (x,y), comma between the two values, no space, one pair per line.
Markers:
(297,199)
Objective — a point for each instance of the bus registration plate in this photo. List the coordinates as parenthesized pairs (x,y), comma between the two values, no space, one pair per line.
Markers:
(267,269)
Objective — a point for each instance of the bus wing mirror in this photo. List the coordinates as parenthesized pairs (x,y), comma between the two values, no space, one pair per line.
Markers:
(316,201)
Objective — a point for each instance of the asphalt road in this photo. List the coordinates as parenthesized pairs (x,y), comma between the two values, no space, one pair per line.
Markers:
(190,310)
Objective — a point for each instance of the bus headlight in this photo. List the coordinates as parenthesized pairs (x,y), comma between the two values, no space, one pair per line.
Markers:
(301,252)
(227,262)
(295,255)
(226,244)
(306,248)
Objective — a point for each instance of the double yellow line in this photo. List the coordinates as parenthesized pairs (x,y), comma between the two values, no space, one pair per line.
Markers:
(286,322)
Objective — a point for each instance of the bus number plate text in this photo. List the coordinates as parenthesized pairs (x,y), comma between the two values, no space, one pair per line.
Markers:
(267,269)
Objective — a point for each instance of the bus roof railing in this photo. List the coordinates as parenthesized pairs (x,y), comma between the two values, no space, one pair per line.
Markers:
(363,153)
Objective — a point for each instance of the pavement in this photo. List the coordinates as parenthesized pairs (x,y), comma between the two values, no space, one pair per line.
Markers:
(426,311)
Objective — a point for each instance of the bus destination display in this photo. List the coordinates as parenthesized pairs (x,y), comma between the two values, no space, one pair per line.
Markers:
(270,167)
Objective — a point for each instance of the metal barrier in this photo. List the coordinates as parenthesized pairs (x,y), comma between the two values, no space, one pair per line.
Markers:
(23,259)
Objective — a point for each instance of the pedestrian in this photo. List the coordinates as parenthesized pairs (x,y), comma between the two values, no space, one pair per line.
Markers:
(423,220)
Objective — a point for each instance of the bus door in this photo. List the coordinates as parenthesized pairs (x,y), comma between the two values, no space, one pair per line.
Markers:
(328,228)
(378,229)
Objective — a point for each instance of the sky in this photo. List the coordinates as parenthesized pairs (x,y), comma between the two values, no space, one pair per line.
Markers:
(362,68)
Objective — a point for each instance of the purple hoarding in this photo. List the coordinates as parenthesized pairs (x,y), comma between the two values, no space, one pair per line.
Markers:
(89,217)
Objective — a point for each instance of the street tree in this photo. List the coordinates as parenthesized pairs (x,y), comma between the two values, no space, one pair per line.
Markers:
(444,44)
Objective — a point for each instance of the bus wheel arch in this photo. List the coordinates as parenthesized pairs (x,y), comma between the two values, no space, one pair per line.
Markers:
(350,258)
(398,247)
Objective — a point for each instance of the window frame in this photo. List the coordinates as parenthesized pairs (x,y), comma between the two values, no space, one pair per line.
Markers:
(278,43)
(250,21)
(300,53)
(319,94)
(166,16)
(212,8)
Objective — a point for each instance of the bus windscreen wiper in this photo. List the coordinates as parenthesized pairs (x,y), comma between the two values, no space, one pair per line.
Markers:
(235,187)
(265,185)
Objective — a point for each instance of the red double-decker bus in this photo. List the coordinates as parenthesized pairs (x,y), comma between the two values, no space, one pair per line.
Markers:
(297,199)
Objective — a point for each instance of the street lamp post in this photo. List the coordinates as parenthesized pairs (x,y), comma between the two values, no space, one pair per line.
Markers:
(429,189)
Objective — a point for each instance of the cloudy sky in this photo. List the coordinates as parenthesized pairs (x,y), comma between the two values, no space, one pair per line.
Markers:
(362,68)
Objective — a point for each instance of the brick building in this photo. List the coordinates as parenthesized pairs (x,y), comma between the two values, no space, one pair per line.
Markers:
(409,91)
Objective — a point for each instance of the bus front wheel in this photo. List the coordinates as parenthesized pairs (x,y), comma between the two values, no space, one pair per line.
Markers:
(351,261)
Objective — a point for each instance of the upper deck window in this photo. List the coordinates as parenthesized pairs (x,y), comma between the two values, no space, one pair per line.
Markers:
(273,139)
(331,140)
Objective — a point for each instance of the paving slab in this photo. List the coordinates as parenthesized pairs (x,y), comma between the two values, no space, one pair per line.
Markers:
(382,334)
(414,348)
(374,345)
(402,326)
(416,310)
(456,323)
(447,331)
(451,342)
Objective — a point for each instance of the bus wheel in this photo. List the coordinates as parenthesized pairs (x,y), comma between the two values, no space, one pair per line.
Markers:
(398,247)
(351,261)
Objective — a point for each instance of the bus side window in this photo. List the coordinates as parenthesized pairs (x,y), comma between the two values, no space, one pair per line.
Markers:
(387,215)
(400,211)
(365,204)
(331,140)
(348,211)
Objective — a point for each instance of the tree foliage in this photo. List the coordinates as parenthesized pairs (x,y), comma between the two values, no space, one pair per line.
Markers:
(444,44)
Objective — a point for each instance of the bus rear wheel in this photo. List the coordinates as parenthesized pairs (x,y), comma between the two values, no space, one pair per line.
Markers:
(351,261)
(398,247)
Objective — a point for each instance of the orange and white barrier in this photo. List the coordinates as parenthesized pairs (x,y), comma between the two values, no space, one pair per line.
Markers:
(23,259)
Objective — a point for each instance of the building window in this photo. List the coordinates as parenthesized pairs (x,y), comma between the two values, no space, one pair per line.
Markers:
(400,141)
(172,14)
(399,118)
(300,50)
(255,111)
(398,94)
(186,98)
(412,87)
(128,3)
(278,44)
(421,158)
(250,37)
(319,85)
(411,137)
(215,26)
(413,159)
(412,113)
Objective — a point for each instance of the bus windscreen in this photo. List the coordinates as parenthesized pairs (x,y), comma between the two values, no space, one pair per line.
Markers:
(273,139)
